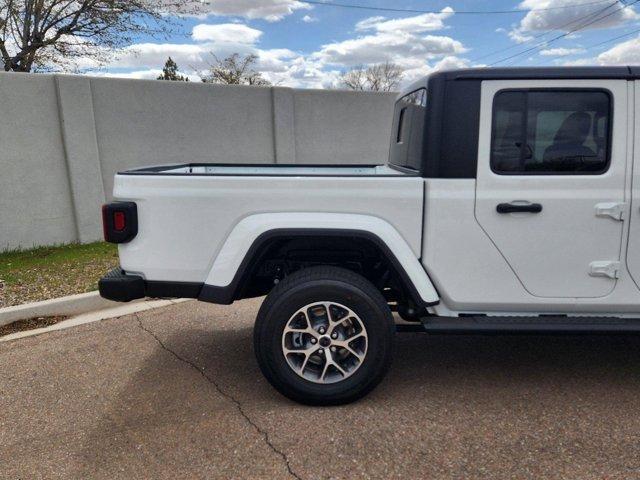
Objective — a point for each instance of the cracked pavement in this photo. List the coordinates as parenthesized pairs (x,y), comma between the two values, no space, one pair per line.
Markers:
(176,393)
(222,392)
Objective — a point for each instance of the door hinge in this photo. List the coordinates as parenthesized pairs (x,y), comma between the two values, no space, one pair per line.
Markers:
(614,210)
(604,269)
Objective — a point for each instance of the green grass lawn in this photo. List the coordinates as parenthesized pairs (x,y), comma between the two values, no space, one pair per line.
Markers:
(50,272)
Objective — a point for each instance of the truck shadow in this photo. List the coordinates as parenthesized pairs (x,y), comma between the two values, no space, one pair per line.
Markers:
(513,360)
(167,407)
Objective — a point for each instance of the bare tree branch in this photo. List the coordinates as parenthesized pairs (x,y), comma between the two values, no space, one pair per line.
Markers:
(48,33)
(355,79)
(234,70)
(384,77)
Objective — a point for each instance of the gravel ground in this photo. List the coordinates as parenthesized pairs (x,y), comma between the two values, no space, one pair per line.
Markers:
(51,272)
(176,393)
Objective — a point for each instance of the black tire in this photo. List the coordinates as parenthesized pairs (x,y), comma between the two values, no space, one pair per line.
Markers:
(319,284)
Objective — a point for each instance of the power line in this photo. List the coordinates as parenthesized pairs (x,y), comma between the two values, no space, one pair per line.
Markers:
(546,43)
(457,12)
(554,39)
(535,37)
(613,39)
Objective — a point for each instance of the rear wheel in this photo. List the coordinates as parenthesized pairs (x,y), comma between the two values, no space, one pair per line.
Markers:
(324,336)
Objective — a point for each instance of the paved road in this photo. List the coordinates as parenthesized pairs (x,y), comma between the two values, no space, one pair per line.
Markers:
(176,393)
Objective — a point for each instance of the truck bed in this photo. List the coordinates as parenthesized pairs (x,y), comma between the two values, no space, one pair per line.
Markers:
(271,170)
(185,212)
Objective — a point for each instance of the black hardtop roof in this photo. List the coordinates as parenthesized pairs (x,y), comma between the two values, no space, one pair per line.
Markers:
(526,73)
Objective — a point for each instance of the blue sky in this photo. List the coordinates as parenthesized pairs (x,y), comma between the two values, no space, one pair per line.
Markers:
(309,46)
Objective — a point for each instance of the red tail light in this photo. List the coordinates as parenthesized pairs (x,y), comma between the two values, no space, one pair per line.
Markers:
(119,221)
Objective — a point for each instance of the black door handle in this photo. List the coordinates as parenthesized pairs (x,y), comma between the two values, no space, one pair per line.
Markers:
(519,208)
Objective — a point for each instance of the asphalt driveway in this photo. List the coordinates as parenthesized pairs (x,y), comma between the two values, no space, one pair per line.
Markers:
(176,393)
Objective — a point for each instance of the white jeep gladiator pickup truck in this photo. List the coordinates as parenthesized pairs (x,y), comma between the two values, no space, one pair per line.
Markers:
(509,204)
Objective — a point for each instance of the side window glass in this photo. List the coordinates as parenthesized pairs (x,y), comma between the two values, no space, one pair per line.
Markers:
(409,115)
(546,132)
(401,125)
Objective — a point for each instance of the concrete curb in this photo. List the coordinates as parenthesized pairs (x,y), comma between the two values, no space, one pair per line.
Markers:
(68,306)
(120,311)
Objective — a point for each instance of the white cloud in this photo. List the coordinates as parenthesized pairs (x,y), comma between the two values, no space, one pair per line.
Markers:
(220,40)
(414,70)
(603,15)
(150,55)
(309,19)
(138,75)
(280,66)
(449,63)
(561,52)
(417,24)
(270,10)
(518,37)
(276,59)
(301,72)
(625,53)
(226,33)
(400,41)
(151,74)
(369,23)
(392,47)
(580,62)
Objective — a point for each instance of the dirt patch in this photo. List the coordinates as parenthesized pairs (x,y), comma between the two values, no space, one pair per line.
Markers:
(30,324)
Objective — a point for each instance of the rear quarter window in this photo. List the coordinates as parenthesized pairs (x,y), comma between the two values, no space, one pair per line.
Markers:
(408,130)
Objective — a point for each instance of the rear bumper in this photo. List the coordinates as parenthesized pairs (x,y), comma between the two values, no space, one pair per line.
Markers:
(122,287)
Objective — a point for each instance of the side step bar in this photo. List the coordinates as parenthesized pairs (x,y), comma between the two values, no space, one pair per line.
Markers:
(530,325)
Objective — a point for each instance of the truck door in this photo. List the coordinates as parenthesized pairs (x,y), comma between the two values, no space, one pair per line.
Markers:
(550,183)
(633,249)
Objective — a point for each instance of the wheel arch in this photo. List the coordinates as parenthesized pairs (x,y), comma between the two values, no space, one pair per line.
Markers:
(251,239)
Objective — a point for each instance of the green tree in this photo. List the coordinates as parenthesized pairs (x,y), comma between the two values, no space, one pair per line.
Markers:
(170,72)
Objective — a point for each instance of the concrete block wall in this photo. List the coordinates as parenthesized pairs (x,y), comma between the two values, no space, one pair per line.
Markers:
(62,139)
